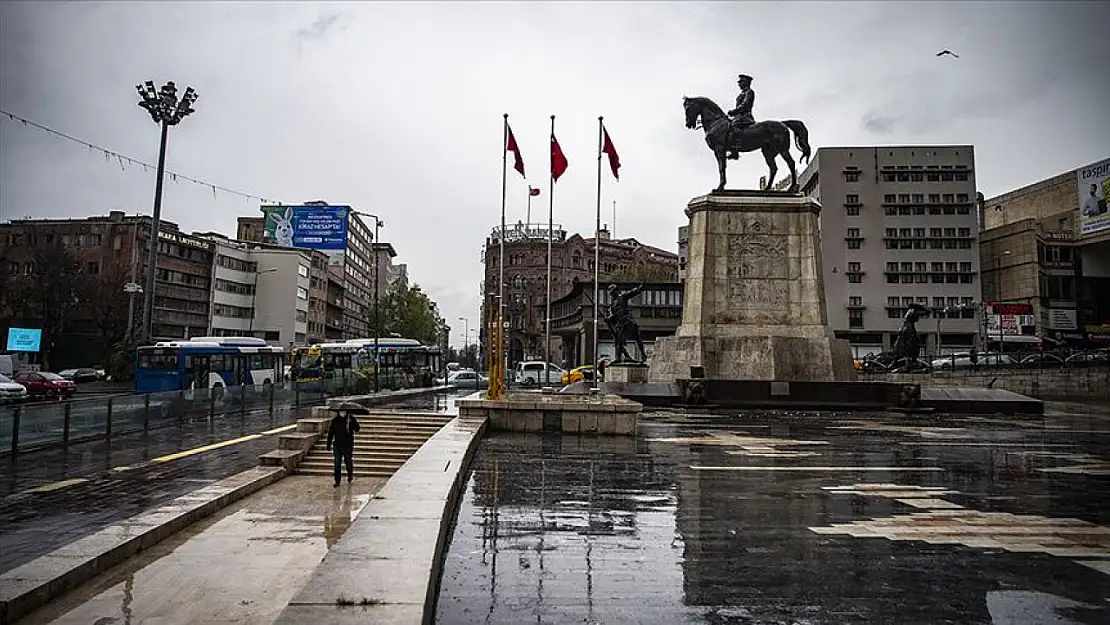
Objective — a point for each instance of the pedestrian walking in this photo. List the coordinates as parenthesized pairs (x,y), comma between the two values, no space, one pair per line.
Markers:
(341,437)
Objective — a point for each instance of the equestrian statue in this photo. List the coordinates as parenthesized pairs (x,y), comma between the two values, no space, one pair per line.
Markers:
(737,131)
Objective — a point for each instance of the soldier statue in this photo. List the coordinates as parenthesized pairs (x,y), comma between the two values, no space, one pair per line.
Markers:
(741,117)
(622,325)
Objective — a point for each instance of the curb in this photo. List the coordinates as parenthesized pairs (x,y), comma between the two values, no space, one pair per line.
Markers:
(30,586)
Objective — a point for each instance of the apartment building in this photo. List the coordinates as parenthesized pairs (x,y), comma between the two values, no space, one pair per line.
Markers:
(261,291)
(107,252)
(1046,247)
(358,266)
(899,226)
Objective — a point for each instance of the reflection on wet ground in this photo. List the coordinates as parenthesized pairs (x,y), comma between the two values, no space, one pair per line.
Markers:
(789,518)
(242,565)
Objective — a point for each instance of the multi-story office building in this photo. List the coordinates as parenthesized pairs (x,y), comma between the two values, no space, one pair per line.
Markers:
(572,261)
(898,227)
(106,252)
(261,291)
(359,265)
(1046,247)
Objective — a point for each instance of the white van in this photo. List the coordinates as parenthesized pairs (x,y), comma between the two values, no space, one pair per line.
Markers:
(530,373)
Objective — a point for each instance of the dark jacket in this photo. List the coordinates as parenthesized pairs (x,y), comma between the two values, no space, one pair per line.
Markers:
(342,434)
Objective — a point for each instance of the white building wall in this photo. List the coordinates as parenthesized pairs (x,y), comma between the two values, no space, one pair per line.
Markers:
(282,296)
(233,280)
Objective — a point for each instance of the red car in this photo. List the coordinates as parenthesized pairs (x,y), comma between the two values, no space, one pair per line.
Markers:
(46,384)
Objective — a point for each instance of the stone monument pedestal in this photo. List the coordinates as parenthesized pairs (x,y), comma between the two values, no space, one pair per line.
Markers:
(626,373)
(754,301)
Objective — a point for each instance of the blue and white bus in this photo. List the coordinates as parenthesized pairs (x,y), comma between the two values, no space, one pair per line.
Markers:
(207,362)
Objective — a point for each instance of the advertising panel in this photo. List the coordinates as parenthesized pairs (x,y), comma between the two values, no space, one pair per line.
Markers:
(312,227)
(1094,193)
(24,340)
(1062,319)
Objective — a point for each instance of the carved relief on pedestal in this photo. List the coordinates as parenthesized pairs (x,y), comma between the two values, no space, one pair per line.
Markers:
(759,274)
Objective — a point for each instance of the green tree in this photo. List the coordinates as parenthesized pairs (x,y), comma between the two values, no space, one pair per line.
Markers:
(408,311)
(643,272)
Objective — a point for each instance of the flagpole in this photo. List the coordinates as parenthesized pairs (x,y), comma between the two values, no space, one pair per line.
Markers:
(550,235)
(529,217)
(498,366)
(597,240)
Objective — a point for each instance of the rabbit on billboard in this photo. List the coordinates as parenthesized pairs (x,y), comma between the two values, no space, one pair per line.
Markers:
(283,228)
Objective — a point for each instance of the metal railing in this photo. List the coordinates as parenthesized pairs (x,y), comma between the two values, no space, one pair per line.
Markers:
(962,363)
(32,426)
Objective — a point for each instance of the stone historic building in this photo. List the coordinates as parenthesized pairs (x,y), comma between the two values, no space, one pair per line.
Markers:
(626,260)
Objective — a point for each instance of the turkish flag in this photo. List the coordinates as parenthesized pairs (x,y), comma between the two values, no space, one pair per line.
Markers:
(533,192)
(518,162)
(558,160)
(608,148)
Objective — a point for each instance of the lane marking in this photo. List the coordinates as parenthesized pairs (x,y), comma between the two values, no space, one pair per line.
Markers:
(53,486)
(845,469)
(46,488)
(198,450)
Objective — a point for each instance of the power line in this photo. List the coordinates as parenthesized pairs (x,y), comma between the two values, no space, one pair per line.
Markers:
(110,154)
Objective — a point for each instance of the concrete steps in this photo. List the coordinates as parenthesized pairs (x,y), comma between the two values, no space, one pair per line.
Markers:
(385,441)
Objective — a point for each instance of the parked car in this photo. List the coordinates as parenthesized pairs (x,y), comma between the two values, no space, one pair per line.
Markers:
(11,391)
(46,384)
(578,374)
(80,375)
(1096,358)
(1046,360)
(467,379)
(963,362)
(530,373)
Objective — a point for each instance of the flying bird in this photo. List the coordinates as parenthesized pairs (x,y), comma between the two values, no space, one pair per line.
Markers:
(948,52)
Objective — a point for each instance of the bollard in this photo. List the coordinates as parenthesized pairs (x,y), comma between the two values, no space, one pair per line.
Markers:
(15,429)
(212,402)
(108,424)
(146,412)
(271,388)
(66,425)
(243,400)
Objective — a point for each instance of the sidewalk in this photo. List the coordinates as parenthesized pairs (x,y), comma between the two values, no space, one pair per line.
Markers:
(268,544)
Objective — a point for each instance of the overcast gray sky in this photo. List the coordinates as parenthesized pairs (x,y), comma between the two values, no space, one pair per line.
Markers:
(396,108)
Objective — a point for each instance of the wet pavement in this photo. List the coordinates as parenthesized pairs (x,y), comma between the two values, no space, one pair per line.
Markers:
(790,518)
(54,497)
(242,565)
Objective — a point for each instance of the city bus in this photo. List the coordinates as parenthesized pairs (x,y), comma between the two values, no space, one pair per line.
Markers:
(207,362)
(401,363)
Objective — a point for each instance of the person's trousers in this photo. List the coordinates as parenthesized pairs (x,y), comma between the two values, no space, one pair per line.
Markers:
(343,456)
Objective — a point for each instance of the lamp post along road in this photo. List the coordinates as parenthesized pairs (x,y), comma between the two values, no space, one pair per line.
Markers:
(165,110)
(378,223)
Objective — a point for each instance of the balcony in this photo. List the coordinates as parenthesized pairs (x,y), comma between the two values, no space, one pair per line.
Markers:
(851,306)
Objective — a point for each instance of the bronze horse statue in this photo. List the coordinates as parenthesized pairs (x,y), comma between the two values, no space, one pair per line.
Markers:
(770,136)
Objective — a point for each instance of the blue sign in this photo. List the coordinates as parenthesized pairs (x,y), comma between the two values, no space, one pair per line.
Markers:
(312,227)
(24,340)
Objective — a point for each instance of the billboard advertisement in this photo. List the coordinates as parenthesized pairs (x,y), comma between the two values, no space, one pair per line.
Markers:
(1094,193)
(24,340)
(309,226)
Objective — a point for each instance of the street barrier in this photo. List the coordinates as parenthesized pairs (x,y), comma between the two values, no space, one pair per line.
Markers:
(36,426)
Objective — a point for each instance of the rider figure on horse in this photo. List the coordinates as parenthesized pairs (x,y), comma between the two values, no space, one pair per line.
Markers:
(741,116)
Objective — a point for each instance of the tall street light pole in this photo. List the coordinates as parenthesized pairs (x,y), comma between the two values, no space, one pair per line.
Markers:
(378,223)
(166,110)
(466,337)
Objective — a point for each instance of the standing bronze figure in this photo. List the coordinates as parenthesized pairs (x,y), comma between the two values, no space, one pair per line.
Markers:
(622,325)
(728,137)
